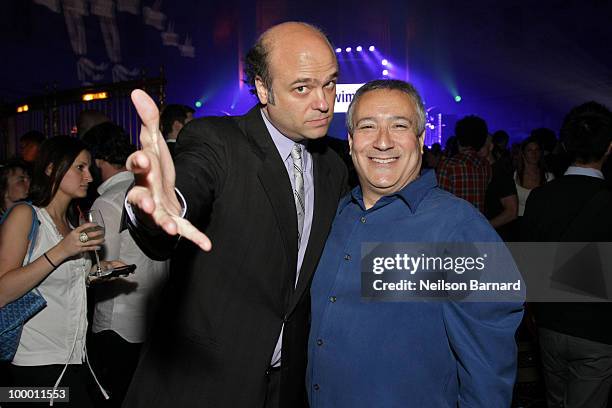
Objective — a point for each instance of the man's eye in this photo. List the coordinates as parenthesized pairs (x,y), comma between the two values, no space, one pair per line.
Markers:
(330,84)
(401,126)
(301,89)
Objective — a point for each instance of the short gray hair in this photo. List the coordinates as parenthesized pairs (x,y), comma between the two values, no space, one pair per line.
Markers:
(391,85)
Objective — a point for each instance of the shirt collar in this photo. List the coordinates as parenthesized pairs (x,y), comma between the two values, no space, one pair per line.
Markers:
(471,153)
(116,179)
(412,194)
(283,143)
(583,171)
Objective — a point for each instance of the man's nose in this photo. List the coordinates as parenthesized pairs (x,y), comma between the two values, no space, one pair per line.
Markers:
(383,139)
(320,102)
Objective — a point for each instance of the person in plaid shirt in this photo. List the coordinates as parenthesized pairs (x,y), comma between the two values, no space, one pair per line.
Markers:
(466,174)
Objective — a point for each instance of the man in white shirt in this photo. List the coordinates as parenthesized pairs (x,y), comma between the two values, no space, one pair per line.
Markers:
(124,306)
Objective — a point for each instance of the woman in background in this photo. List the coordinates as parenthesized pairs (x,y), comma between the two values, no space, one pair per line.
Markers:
(51,349)
(530,172)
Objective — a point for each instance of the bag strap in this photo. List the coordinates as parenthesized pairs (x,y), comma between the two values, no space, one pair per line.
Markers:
(33,234)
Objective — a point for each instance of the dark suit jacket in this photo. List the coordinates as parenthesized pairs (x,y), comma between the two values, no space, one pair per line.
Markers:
(223,314)
(571,209)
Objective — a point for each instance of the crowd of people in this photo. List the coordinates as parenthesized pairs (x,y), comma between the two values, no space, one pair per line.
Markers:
(247,238)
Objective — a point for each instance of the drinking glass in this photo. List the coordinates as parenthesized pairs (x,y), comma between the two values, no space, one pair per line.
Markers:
(95,217)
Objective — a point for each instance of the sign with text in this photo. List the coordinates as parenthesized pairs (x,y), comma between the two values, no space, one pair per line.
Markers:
(344,96)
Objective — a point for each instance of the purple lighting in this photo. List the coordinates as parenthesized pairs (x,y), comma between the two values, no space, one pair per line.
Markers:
(348,49)
(385,72)
(371,48)
(359,48)
(384,62)
(338,50)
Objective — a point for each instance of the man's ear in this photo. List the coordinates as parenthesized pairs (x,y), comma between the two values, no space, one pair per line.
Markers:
(49,169)
(609,151)
(98,163)
(422,141)
(350,142)
(262,91)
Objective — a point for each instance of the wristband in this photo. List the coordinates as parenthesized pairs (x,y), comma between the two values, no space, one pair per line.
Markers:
(49,260)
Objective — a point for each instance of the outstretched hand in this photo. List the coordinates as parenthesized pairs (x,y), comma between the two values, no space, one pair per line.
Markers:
(153,193)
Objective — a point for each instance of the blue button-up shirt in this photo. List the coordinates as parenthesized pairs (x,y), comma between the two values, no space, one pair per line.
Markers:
(405,354)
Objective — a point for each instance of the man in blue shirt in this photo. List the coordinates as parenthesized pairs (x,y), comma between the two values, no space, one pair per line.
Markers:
(410,354)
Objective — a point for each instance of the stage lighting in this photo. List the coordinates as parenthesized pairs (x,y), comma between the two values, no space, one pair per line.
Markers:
(384,62)
(348,49)
(198,104)
(457,98)
(338,50)
(23,108)
(385,72)
(359,48)
(371,48)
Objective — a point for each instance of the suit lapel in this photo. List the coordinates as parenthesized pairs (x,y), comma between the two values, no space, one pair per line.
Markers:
(325,204)
(273,177)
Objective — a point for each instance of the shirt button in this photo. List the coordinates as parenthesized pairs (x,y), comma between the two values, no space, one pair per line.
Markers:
(332,299)
(363,220)
(316,387)
(347,257)
(319,342)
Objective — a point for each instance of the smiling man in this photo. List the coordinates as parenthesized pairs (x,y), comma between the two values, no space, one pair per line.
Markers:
(412,354)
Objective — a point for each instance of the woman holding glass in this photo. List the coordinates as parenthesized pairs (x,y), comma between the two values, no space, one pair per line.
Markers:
(52,349)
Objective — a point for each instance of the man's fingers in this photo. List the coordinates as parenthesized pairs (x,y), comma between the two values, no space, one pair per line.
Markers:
(141,198)
(176,225)
(146,107)
(138,163)
(187,230)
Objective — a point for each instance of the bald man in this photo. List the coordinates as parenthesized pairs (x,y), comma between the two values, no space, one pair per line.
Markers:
(255,197)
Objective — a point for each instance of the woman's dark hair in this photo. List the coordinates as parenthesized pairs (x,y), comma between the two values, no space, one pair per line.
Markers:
(58,152)
(520,169)
(5,171)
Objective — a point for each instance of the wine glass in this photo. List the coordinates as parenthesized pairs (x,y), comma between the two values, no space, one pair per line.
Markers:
(95,217)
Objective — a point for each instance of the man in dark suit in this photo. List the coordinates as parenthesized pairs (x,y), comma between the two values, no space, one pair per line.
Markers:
(576,338)
(264,188)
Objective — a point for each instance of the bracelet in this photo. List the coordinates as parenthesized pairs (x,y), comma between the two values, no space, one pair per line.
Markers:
(48,260)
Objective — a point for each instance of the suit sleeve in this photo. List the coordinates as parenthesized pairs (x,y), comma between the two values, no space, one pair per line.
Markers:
(201,166)
(481,335)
